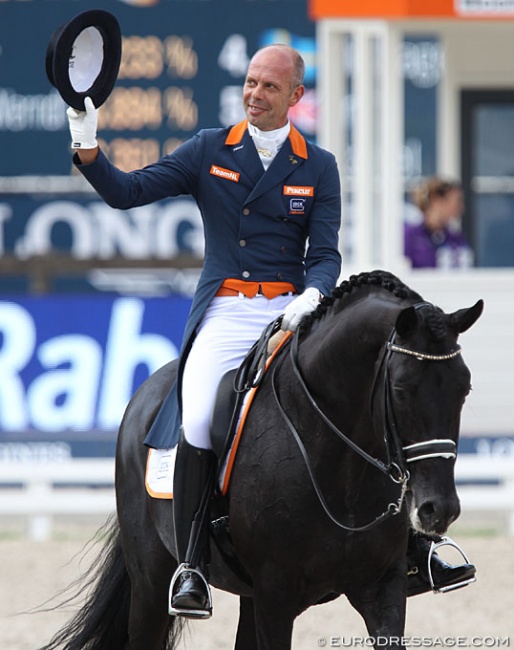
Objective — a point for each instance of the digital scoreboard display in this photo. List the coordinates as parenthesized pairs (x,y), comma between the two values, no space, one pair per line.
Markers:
(183,67)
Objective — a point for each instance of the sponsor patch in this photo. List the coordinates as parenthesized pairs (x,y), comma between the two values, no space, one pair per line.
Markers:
(297,206)
(225,173)
(298,190)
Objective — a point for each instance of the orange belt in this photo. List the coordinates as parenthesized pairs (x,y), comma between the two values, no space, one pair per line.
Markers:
(233,287)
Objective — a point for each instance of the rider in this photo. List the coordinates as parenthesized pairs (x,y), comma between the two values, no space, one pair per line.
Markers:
(271,208)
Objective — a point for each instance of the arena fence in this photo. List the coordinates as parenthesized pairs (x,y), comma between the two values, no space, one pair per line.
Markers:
(40,491)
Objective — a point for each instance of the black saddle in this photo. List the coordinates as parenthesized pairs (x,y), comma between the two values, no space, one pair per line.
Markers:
(232,390)
(229,399)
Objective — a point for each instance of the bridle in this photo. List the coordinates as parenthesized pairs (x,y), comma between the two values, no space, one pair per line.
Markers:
(397,455)
(437,447)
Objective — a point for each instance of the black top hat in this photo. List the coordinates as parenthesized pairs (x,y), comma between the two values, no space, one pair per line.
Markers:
(83,58)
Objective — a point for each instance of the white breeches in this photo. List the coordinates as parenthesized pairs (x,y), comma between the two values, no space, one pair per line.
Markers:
(229,328)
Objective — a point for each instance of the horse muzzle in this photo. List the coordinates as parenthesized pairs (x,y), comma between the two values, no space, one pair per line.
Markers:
(434,503)
(434,515)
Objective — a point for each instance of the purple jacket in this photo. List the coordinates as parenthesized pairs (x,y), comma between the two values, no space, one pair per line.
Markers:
(441,249)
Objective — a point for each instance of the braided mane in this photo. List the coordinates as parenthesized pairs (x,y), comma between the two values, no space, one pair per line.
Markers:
(433,316)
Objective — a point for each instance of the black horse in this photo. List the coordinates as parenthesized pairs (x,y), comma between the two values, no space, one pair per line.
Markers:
(357,416)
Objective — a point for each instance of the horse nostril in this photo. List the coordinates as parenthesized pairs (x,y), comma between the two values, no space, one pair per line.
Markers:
(426,511)
(436,515)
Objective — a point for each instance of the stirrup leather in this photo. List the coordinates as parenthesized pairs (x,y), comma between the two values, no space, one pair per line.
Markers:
(446,541)
(190,613)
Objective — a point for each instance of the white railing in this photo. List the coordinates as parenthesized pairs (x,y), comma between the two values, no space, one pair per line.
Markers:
(498,496)
(40,491)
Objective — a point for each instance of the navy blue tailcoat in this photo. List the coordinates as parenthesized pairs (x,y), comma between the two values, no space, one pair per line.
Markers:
(279,225)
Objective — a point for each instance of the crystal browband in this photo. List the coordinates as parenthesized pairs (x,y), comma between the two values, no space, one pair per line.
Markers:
(422,355)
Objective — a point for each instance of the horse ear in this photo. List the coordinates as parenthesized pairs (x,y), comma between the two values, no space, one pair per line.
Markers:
(463,319)
(406,321)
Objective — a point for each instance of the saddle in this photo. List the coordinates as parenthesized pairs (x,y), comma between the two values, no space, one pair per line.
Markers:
(232,391)
(231,394)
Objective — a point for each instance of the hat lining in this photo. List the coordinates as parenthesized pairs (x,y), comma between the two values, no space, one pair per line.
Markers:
(86,59)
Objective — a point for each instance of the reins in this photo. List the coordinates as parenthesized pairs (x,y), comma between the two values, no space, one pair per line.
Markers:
(392,470)
(397,455)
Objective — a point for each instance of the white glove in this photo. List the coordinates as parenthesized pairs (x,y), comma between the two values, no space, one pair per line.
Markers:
(300,307)
(83,126)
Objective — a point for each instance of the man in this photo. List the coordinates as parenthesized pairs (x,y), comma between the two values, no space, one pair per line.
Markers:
(271,209)
(263,191)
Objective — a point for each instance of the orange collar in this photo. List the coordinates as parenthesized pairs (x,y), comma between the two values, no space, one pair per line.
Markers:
(297,140)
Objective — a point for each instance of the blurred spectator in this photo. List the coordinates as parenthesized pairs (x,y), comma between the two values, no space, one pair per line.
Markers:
(437,241)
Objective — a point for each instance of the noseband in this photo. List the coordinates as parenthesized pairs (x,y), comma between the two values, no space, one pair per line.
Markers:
(437,447)
(397,455)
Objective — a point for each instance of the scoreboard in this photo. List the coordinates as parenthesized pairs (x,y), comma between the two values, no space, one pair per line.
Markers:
(182,69)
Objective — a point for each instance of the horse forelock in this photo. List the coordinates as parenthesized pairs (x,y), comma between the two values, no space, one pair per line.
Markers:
(378,281)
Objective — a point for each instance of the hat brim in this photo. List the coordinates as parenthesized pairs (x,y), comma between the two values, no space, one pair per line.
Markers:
(83,58)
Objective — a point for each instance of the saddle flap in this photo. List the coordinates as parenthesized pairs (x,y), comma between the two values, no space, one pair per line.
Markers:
(223,420)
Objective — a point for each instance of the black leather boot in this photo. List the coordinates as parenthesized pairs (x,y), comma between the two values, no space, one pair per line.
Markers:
(426,570)
(192,490)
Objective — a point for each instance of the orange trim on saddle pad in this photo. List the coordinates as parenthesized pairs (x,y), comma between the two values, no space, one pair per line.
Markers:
(246,408)
(160,466)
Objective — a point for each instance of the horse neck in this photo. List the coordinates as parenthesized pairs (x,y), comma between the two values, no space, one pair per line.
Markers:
(339,360)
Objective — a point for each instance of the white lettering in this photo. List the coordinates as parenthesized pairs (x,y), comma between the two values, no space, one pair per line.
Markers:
(178,226)
(78,386)
(127,348)
(231,107)
(100,231)
(30,452)
(127,233)
(5,215)
(233,56)
(31,112)
(38,233)
(65,398)
(17,342)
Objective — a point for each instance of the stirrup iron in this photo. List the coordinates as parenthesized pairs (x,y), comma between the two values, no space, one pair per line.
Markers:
(446,541)
(189,613)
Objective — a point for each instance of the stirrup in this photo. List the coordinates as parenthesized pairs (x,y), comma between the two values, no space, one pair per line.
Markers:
(189,613)
(446,541)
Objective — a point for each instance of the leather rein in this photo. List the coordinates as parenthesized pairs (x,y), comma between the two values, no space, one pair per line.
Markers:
(397,455)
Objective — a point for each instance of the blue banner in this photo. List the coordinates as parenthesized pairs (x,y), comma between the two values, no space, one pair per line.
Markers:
(71,364)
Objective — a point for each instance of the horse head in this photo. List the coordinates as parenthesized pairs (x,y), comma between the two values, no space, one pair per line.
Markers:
(427,383)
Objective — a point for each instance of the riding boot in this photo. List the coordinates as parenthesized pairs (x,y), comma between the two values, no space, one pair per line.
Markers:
(428,572)
(192,490)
